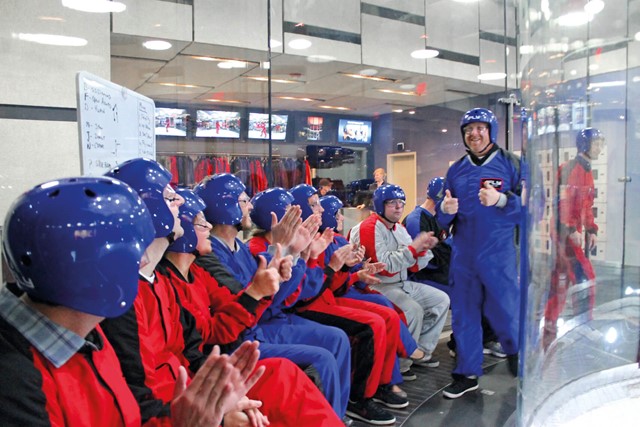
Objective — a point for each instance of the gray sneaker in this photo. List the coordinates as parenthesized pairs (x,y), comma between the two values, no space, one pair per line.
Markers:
(494,348)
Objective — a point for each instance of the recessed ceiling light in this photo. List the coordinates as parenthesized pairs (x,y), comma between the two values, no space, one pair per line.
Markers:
(179,85)
(374,78)
(412,112)
(396,92)
(266,79)
(369,72)
(332,107)
(274,43)
(424,53)
(407,86)
(491,76)
(232,64)
(637,36)
(444,130)
(294,98)
(226,101)
(397,110)
(319,59)
(300,44)
(157,45)
(95,6)
(52,39)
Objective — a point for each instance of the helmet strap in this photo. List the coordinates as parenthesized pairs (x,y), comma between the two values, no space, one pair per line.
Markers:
(171,237)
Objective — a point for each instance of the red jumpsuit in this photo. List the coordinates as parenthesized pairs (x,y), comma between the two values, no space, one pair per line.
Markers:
(574,273)
(382,322)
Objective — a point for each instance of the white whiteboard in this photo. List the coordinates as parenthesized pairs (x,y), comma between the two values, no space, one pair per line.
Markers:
(115,124)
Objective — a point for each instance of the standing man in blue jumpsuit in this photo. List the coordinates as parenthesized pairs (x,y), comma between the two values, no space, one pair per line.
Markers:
(482,203)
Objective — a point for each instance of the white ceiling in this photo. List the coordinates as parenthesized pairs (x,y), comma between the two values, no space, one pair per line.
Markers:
(143,70)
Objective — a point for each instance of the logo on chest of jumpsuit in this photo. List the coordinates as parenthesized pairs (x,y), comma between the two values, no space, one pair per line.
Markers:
(495,183)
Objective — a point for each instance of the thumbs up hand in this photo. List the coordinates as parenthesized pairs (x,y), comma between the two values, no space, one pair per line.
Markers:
(488,195)
(449,203)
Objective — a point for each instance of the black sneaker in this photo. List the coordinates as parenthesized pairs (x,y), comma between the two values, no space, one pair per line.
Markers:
(389,399)
(370,412)
(409,375)
(460,386)
(451,345)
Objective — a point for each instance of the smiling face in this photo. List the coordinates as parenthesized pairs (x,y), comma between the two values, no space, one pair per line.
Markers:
(174,201)
(476,137)
(202,228)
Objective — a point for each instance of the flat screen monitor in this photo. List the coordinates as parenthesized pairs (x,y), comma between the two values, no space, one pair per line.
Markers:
(218,124)
(354,131)
(259,126)
(171,121)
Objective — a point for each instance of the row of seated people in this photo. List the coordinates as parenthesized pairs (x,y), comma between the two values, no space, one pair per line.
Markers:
(178,288)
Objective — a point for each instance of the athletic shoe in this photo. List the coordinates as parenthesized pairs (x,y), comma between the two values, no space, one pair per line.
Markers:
(409,375)
(460,386)
(494,348)
(400,392)
(451,345)
(426,361)
(348,422)
(389,399)
(405,364)
(370,412)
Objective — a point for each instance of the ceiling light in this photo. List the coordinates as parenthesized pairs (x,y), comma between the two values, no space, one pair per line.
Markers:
(594,6)
(179,85)
(300,44)
(266,79)
(95,6)
(226,101)
(232,64)
(574,19)
(424,53)
(157,45)
(396,92)
(332,107)
(491,76)
(397,110)
(443,130)
(319,59)
(51,39)
(274,43)
(374,78)
(593,67)
(408,86)
(294,98)
(412,112)
(637,36)
(368,72)
(466,1)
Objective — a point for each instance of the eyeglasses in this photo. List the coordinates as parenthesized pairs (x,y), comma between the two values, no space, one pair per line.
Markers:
(206,226)
(244,200)
(172,199)
(395,202)
(468,130)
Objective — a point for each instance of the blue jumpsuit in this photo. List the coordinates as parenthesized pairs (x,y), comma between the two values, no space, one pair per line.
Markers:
(304,342)
(483,271)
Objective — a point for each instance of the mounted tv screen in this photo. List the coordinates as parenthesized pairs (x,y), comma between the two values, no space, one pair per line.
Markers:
(313,129)
(171,121)
(218,124)
(354,131)
(259,126)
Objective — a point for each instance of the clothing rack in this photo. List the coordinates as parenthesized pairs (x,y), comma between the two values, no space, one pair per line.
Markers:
(173,153)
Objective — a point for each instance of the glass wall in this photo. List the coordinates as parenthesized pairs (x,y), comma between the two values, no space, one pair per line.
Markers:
(283,91)
(579,64)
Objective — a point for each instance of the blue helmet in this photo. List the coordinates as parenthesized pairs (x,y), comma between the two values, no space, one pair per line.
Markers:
(220,193)
(436,189)
(149,179)
(331,206)
(301,194)
(384,193)
(273,200)
(481,115)
(585,138)
(191,207)
(77,242)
